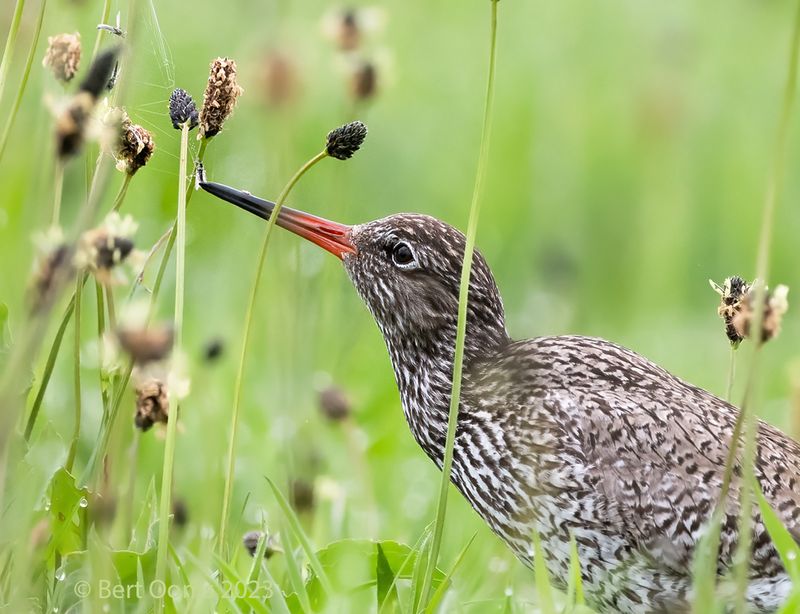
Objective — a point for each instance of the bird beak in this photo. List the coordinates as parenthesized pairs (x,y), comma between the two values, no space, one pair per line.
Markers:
(330,236)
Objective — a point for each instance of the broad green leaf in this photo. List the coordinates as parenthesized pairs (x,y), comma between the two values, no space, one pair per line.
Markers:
(384,577)
(65,501)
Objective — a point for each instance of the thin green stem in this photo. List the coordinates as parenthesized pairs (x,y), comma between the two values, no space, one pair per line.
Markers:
(76,374)
(172,423)
(248,319)
(123,192)
(12,115)
(774,187)
(101,330)
(463,297)
(56,346)
(100,32)
(11,42)
(57,191)
(731,375)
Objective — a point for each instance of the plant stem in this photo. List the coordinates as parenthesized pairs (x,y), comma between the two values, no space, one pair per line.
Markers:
(11,41)
(103,19)
(123,192)
(248,318)
(105,427)
(76,373)
(12,115)
(101,329)
(463,297)
(48,367)
(169,235)
(172,423)
(731,375)
(774,188)
(56,346)
(57,191)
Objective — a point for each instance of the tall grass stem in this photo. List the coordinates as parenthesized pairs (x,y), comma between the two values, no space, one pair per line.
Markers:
(774,189)
(11,42)
(248,319)
(463,297)
(172,423)
(76,377)
(12,114)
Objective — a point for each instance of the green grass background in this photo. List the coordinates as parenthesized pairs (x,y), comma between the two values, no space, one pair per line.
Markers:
(628,165)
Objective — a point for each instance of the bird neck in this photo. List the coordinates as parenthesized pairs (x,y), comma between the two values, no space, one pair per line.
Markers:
(423,368)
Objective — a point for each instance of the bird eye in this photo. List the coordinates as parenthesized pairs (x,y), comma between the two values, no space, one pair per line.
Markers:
(402,255)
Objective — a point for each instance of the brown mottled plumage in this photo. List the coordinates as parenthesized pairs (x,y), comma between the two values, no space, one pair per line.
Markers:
(562,435)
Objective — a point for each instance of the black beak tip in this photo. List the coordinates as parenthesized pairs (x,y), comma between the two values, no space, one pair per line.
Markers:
(240,198)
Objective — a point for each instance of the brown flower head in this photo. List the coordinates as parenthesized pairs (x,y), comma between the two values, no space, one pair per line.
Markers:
(334,404)
(63,56)
(72,120)
(775,305)
(737,308)
(363,81)
(301,495)
(219,99)
(279,79)
(103,248)
(146,344)
(53,269)
(134,148)
(732,293)
(152,404)
(344,141)
(252,538)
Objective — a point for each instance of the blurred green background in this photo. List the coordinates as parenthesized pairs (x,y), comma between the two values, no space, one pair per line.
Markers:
(629,158)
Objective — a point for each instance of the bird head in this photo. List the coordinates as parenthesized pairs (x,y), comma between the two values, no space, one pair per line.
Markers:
(406,268)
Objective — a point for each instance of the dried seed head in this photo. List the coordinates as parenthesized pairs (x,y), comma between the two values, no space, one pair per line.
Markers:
(334,404)
(301,495)
(53,270)
(219,99)
(182,109)
(252,538)
(732,293)
(213,349)
(737,308)
(279,79)
(364,81)
(102,509)
(152,404)
(100,72)
(146,344)
(103,248)
(346,28)
(344,141)
(63,56)
(71,124)
(134,148)
(180,512)
(72,121)
(775,305)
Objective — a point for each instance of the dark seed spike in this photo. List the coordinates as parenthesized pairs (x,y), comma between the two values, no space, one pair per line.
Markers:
(346,140)
(182,109)
(100,72)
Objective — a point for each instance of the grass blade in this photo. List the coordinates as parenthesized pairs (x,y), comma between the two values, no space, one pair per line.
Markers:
(302,538)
